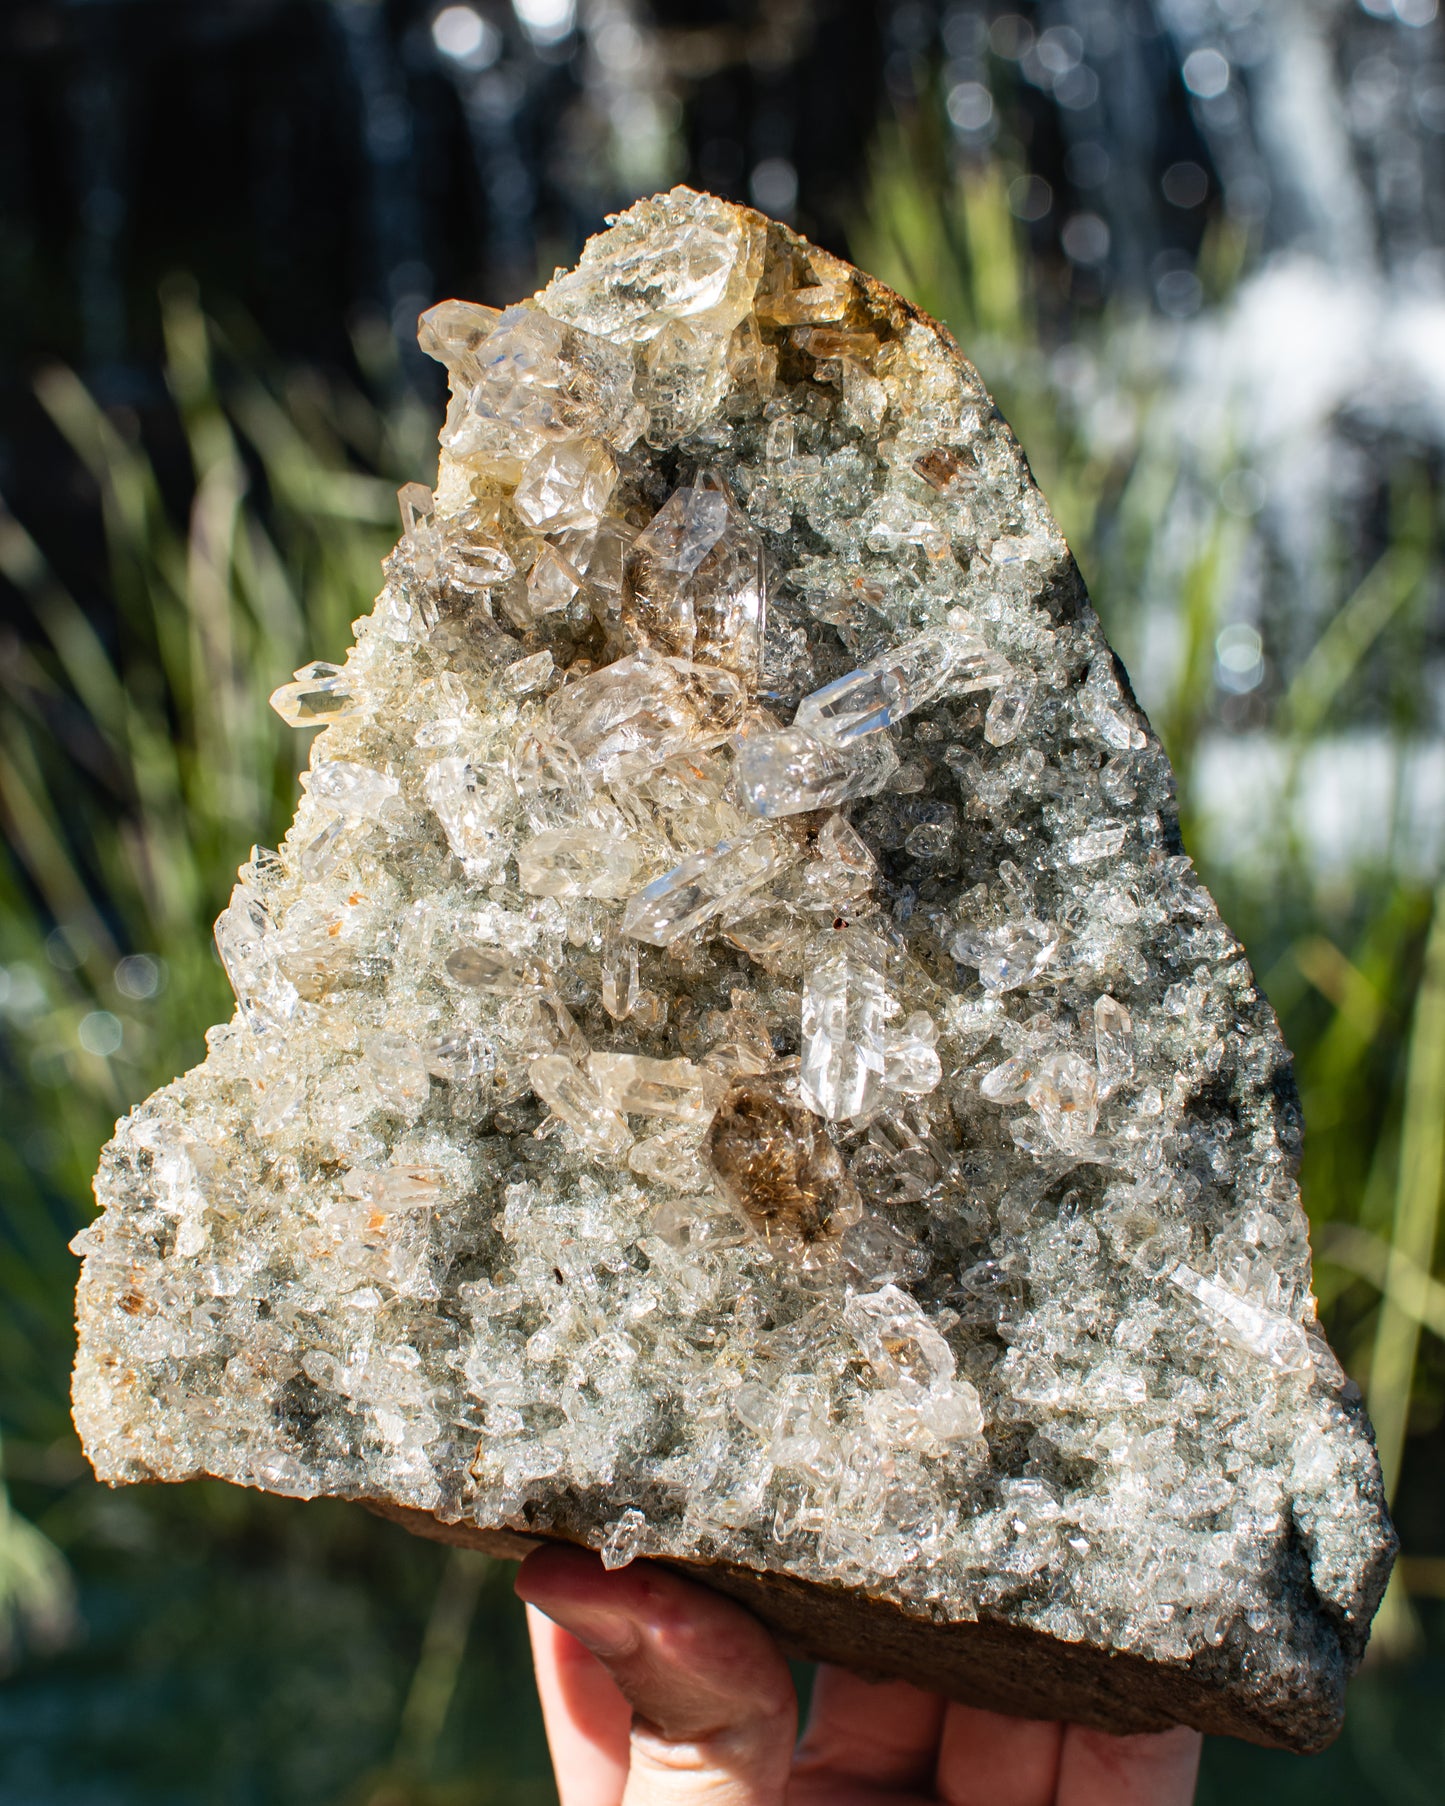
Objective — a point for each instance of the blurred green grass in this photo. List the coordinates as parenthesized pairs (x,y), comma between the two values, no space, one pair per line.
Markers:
(223,1646)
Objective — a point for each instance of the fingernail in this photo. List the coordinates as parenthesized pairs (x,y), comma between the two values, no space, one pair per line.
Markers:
(606,1634)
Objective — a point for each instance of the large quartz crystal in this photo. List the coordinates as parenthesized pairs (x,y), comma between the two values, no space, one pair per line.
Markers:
(732,1063)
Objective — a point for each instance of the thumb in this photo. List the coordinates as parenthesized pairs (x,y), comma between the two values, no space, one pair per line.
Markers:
(714,1714)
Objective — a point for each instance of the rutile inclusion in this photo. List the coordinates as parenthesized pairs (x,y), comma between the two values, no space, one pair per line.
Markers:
(731,1062)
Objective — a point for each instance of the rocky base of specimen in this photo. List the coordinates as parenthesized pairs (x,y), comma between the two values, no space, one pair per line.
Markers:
(732,1064)
(989,1661)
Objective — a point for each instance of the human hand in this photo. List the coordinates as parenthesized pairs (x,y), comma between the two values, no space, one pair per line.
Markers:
(660,1692)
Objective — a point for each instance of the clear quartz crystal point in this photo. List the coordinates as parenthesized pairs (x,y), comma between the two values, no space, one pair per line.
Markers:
(577,862)
(528,674)
(576,1097)
(898,1339)
(1008,710)
(452,332)
(845,1013)
(911,1064)
(685,262)
(565,485)
(521,377)
(320,693)
(402,1081)
(704,885)
(624,1540)
(685,529)
(699,579)
(634,1085)
(470,804)
(619,974)
(396,1188)
(1278,1340)
(418,518)
(248,944)
(671,1158)
(552,582)
(359,791)
(809,304)
(677,287)
(1007,957)
(490,970)
(634,715)
(1113,1044)
(792,771)
(842,868)
(1063,1090)
(897,682)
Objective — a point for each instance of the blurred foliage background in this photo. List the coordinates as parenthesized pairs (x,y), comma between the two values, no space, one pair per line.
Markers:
(1195,249)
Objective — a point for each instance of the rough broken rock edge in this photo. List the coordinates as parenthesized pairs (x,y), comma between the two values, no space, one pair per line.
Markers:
(990,1660)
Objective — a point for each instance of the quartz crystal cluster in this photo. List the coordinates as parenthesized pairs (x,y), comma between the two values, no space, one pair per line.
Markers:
(731,1061)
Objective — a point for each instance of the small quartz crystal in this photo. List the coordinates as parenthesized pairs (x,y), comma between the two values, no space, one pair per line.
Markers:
(633,715)
(565,485)
(581,1103)
(634,1085)
(580,862)
(845,1008)
(896,683)
(318,694)
(792,772)
(1278,1340)
(699,579)
(705,884)
(486,969)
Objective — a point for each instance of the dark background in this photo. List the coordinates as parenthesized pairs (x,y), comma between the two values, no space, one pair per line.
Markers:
(320,165)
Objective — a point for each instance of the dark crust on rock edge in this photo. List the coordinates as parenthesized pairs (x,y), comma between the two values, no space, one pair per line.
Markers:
(1000,1666)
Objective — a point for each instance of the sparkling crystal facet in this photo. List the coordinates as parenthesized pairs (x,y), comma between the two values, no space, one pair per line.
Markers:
(791,772)
(896,683)
(845,1009)
(704,885)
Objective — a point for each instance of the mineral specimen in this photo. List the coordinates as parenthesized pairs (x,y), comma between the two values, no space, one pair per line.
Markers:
(732,1063)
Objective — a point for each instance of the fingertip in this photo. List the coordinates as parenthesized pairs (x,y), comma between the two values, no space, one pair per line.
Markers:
(689,1660)
(574,1590)
(562,1575)
(685,1619)
(995,1759)
(555,1565)
(1150,1768)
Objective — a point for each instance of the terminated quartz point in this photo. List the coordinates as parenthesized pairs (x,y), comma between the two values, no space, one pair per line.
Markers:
(732,1064)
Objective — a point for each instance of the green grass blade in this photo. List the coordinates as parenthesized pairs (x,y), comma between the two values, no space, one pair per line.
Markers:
(1417,1207)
